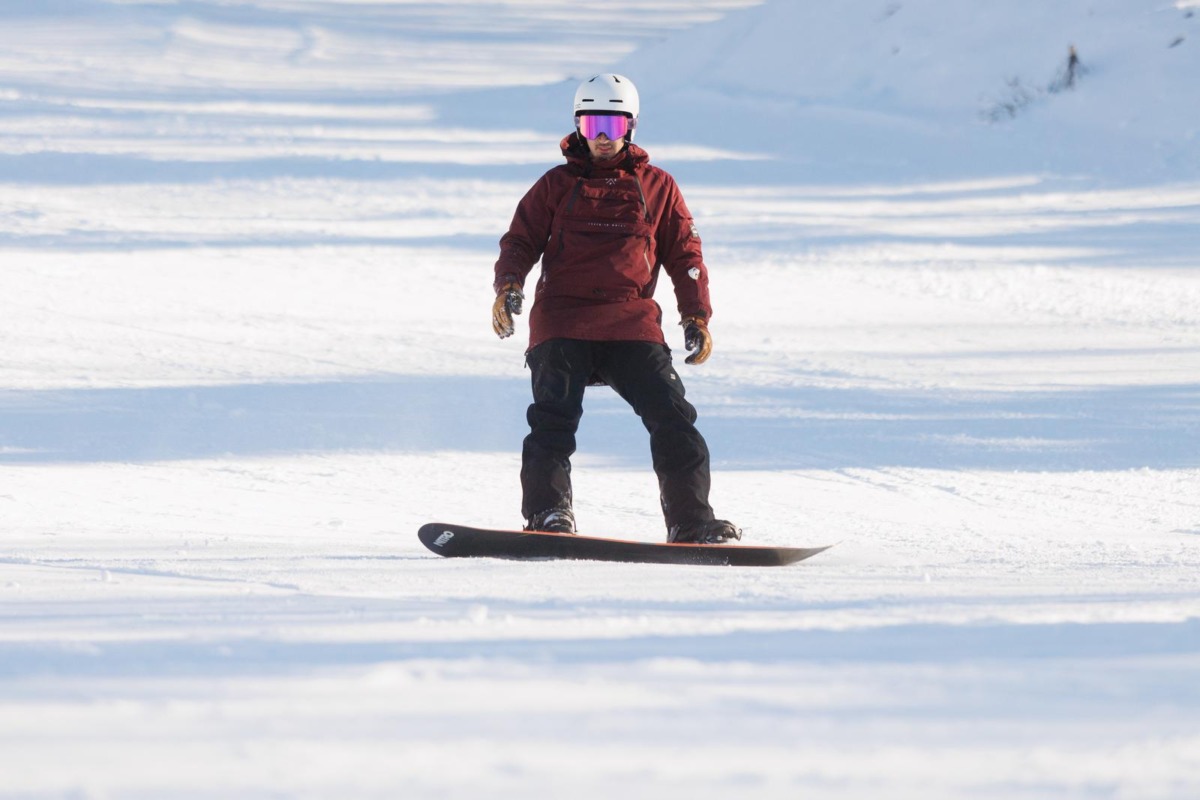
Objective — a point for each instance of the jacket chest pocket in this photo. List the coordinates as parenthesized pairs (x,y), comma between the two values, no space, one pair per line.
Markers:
(602,201)
(604,243)
(601,211)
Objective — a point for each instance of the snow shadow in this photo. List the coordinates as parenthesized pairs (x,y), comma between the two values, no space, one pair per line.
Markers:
(221,652)
(756,428)
(83,169)
(1107,428)
(418,413)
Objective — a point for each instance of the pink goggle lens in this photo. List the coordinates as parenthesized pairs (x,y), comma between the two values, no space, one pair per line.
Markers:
(614,126)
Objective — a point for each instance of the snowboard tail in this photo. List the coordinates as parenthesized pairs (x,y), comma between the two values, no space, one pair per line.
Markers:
(459,541)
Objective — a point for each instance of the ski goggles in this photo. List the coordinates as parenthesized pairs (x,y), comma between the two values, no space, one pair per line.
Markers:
(614,126)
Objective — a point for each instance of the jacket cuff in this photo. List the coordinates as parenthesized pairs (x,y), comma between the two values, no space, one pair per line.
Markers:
(502,281)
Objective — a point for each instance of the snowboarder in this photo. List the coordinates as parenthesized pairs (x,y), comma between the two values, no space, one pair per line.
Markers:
(603,225)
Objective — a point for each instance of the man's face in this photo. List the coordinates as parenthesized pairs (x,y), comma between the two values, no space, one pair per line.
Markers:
(605,133)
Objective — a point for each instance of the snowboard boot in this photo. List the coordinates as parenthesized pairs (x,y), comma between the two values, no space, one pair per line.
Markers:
(554,520)
(713,531)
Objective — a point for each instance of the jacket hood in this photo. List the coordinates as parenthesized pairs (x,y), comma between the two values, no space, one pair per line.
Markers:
(575,150)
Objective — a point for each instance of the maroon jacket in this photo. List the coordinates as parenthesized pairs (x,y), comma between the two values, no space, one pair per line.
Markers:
(602,230)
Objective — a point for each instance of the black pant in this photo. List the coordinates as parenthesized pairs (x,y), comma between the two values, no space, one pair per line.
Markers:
(642,374)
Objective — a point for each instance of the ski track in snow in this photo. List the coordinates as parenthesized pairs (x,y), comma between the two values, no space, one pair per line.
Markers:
(247,253)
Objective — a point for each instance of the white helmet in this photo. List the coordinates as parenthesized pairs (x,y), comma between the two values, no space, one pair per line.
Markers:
(609,92)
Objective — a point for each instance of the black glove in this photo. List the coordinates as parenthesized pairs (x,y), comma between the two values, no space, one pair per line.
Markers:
(508,302)
(696,337)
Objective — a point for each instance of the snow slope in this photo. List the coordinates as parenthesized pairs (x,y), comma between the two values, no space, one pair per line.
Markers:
(930,88)
(247,253)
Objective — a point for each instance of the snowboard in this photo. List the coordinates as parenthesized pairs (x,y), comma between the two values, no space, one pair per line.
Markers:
(455,541)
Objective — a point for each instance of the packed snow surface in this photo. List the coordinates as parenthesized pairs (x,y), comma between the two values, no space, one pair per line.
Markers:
(247,252)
